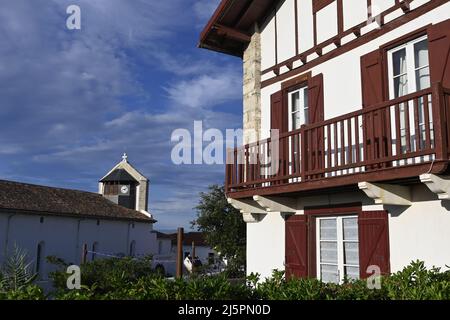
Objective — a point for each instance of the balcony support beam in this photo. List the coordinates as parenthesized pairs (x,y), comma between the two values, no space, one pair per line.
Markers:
(439,185)
(277,204)
(387,193)
(251,211)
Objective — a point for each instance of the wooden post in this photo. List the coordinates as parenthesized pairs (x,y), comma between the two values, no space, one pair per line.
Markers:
(439,122)
(180,253)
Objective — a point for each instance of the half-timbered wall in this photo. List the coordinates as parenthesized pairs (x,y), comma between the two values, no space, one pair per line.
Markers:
(342,71)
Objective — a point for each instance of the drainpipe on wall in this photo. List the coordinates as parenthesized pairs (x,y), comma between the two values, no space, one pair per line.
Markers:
(128,238)
(77,245)
(7,233)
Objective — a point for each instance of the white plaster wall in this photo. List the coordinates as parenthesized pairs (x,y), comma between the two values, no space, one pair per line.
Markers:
(327,22)
(379,6)
(355,12)
(265,245)
(420,232)
(64,237)
(305,25)
(268,44)
(342,75)
(286,30)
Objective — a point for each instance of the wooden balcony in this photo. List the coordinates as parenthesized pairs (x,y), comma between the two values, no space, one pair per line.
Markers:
(392,141)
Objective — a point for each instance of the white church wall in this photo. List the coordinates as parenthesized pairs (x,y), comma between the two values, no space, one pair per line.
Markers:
(64,237)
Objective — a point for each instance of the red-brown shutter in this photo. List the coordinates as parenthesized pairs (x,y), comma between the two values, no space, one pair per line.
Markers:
(372,78)
(439,51)
(296,259)
(373,241)
(373,92)
(315,99)
(316,114)
(278,112)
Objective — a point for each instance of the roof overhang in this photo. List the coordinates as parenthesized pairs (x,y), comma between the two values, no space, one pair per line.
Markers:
(230,28)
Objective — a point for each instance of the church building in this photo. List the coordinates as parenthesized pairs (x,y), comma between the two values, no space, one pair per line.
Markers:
(77,226)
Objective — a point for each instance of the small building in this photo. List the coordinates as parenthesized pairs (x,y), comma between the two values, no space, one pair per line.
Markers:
(77,225)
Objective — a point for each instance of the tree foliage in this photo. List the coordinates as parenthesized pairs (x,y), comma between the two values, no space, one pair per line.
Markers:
(224,228)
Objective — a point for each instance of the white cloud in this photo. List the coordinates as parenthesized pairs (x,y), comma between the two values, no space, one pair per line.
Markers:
(207,90)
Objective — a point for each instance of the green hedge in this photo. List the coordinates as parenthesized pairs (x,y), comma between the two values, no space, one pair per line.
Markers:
(415,282)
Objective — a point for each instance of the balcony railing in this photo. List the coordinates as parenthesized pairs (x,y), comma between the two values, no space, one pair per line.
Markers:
(392,140)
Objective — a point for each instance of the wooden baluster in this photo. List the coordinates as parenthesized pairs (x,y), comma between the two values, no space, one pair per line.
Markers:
(342,142)
(304,148)
(336,147)
(426,111)
(407,127)
(329,145)
(349,133)
(358,155)
(417,125)
(398,135)
(389,132)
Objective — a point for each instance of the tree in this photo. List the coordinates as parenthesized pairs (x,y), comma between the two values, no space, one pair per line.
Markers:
(223,226)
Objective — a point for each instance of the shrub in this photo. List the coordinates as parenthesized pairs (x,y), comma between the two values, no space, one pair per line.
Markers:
(414,282)
(105,275)
(16,278)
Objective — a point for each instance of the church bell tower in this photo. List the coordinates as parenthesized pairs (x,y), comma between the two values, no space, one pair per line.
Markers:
(125,186)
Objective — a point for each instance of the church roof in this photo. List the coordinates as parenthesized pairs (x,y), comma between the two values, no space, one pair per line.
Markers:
(18,197)
(118,175)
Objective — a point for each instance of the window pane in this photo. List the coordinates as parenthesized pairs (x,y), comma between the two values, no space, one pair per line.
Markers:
(305,105)
(351,253)
(399,62)
(328,252)
(329,273)
(296,120)
(328,229)
(400,86)
(421,54)
(295,100)
(352,272)
(350,226)
(423,78)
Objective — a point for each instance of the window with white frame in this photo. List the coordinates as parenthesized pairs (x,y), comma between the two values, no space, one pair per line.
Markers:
(298,108)
(409,71)
(337,248)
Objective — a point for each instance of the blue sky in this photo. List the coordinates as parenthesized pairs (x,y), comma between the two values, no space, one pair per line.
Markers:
(72,101)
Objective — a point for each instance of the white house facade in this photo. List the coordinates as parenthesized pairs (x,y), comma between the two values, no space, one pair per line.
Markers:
(354,98)
(73,225)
